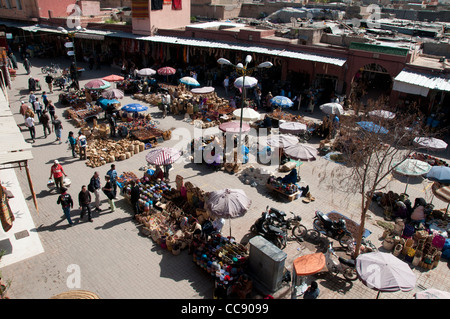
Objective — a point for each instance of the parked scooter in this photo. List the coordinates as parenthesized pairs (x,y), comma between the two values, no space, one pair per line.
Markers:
(337,265)
(334,229)
(294,224)
(264,227)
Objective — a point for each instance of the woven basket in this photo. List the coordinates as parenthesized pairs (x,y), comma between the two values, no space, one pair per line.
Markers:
(76,294)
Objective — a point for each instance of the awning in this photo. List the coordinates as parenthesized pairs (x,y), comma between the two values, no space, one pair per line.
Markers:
(420,83)
(247,48)
(89,36)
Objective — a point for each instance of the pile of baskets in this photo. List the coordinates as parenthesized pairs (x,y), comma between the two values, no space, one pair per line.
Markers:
(100,152)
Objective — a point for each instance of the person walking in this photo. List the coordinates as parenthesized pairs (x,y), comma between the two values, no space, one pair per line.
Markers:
(82,144)
(49,81)
(23,109)
(84,200)
(226,84)
(29,122)
(112,173)
(13,59)
(94,187)
(38,107)
(51,109)
(109,192)
(27,65)
(31,84)
(113,124)
(58,174)
(134,197)
(65,200)
(32,98)
(72,142)
(57,127)
(45,100)
(45,121)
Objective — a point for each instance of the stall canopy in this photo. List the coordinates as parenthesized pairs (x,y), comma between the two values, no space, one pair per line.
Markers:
(14,151)
(309,264)
(420,83)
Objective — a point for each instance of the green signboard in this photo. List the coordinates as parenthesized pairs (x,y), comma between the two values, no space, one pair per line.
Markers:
(378,49)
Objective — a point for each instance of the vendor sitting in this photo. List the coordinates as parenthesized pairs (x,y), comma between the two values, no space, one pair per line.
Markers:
(196,241)
(291,178)
(243,287)
(158,174)
(123,131)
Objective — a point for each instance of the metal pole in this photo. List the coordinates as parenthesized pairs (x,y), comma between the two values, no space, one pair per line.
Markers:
(242,111)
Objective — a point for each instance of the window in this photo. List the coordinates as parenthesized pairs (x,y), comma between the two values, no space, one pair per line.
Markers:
(19,4)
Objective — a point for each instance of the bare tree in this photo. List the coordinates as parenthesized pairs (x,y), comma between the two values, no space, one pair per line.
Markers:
(372,146)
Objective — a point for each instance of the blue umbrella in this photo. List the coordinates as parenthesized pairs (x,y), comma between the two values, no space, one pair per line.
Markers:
(281,101)
(134,107)
(439,174)
(190,81)
(372,127)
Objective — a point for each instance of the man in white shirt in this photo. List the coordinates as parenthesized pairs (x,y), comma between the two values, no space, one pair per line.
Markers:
(37,107)
(82,143)
(166,103)
(29,122)
(226,83)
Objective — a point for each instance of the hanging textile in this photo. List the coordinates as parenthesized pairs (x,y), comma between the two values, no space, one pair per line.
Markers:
(139,8)
(6,215)
(157,4)
(168,2)
(176,4)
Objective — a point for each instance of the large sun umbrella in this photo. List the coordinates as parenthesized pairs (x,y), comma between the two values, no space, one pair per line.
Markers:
(228,203)
(412,167)
(113,78)
(303,152)
(384,272)
(189,81)
(248,114)
(248,82)
(281,101)
(163,156)
(146,72)
(383,114)
(134,107)
(431,143)
(282,140)
(332,109)
(203,90)
(234,127)
(97,84)
(432,293)
(439,174)
(292,127)
(113,94)
(372,127)
(167,70)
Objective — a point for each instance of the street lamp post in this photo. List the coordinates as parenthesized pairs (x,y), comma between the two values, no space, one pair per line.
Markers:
(71,35)
(244,71)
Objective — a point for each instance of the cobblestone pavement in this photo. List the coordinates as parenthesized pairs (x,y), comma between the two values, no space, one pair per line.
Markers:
(116,261)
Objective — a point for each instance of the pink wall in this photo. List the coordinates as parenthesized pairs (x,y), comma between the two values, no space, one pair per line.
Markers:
(163,19)
(59,10)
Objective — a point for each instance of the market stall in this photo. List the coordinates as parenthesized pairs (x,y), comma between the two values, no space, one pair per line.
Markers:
(129,86)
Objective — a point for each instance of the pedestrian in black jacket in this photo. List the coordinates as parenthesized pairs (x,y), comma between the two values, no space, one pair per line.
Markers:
(84,199)
(67,203)
(134,197)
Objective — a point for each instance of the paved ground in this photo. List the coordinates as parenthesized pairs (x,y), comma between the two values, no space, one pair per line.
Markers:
(115,261)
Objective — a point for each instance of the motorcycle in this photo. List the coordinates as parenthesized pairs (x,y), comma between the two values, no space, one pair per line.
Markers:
(334,229)
(339,265)
(265,228)
(292,223)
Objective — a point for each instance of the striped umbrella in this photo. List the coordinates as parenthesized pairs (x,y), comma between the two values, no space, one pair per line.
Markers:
(162,156)
(167,70)
(97,84)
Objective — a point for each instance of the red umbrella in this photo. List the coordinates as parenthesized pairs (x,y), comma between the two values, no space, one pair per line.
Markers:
(167,70)
(113,78)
